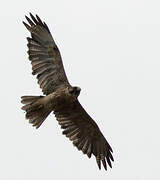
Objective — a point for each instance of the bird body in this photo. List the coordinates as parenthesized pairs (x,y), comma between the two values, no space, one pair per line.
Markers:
(59,96)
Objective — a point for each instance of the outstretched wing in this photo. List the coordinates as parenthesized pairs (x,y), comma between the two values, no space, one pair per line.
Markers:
(44,56)
(80,128)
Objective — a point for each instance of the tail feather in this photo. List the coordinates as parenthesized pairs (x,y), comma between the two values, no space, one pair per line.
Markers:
(29,99)
(35,109)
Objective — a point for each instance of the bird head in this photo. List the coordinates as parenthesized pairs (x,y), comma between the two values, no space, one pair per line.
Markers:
(74,91)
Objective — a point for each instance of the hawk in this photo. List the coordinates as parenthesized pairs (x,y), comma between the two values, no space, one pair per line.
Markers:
(59,96)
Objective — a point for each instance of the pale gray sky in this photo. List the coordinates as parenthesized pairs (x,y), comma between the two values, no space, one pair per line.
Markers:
(111,49)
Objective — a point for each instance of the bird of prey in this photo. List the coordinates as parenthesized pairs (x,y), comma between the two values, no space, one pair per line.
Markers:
(59,96)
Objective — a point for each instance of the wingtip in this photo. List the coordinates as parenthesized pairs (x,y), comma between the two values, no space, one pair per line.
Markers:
(30,14)
(98,162)
(26,25)
(104,164)
(39,20)
(26,16)
(111,149)
(89,155)
(37,16)
(111,157)
(33,18)
(99,166)
(23,22)
(109,162)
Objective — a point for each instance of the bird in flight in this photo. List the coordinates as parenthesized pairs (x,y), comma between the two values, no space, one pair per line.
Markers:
(59,96)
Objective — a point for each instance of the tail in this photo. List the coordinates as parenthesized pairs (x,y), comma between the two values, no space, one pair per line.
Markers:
(36,110)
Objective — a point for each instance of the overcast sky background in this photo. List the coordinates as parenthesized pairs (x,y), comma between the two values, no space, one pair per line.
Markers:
(111,49)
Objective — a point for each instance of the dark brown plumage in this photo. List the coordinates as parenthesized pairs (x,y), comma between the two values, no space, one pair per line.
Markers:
(61,97)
